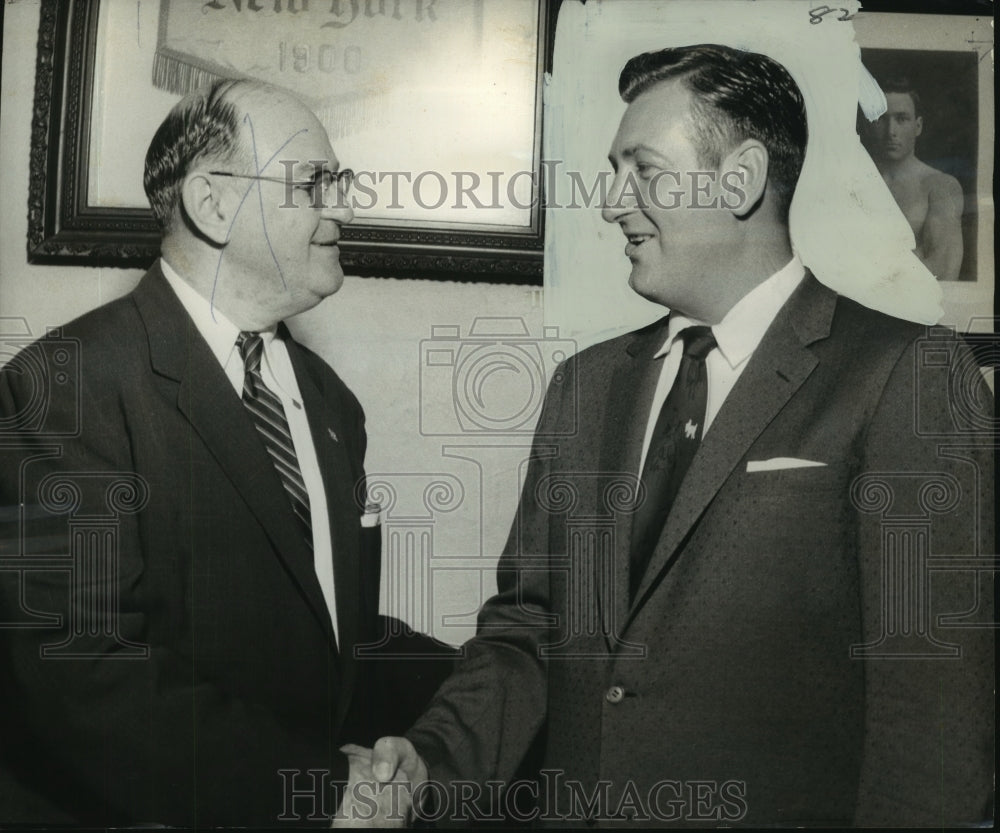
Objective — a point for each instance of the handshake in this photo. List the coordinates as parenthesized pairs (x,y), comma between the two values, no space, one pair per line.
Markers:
(382,783)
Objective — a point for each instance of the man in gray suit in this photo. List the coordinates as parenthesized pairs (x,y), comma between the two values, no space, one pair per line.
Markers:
(788,621)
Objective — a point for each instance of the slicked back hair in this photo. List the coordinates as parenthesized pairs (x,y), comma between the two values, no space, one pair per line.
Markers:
(736,95)
(902,84)
(204,124)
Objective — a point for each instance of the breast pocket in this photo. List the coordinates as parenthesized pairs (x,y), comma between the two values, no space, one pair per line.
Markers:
(798,482)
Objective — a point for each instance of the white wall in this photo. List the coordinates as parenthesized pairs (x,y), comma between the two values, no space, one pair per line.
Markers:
(371,332)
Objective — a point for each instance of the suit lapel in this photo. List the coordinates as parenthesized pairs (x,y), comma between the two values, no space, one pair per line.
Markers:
(776,370)
(633,384)
(206,398)
(339,481)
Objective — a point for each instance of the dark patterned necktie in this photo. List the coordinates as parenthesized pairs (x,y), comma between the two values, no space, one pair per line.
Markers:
(675,439)
(269,418)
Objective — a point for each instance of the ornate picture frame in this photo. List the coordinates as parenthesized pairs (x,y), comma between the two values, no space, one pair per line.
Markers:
(67,225)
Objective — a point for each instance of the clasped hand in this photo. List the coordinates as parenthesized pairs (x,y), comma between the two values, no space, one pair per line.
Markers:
(381,784)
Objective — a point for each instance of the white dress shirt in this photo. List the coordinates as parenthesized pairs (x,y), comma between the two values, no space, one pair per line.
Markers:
(278,375)
(737,335)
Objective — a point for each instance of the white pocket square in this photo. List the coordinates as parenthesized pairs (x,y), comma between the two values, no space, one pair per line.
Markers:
(776,463)
(372,515)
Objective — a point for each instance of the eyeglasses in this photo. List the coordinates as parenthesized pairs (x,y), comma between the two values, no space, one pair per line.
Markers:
(322,182)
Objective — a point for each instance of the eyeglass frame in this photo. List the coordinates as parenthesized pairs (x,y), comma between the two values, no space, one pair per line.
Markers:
(343,179)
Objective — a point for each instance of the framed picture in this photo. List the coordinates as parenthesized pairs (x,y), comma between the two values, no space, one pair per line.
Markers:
(937,74)
(435,104)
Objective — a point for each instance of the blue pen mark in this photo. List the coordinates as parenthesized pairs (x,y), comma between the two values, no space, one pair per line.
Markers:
(258,169)
(260,193)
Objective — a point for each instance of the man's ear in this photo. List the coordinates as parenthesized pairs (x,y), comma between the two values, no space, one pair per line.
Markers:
(206,206)
(747,166)
(920,125)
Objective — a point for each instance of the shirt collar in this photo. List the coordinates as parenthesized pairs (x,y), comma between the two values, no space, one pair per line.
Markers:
(214,326)
(743,327)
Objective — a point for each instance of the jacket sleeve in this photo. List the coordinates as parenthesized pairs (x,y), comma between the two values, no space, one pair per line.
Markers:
(122,731)
(927,509)
(483,719)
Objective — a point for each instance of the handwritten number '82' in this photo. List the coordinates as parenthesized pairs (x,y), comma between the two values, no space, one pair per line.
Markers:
(817,14)
(302,57)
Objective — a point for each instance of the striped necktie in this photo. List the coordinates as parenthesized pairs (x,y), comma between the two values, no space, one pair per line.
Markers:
(269,418)
(676,437)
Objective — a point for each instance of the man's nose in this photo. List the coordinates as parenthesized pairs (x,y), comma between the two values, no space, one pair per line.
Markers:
(338,210)
(619,202)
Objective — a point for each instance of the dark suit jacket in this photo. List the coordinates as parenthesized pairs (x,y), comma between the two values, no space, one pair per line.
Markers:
(727,693)
(199,658)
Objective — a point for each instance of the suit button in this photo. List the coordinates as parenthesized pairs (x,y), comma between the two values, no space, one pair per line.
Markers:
(615,695)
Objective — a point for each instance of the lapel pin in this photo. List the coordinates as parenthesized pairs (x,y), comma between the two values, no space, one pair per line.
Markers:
(333,435)
(691,430)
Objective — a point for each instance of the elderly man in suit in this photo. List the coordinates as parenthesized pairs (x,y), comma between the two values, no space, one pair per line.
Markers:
(759,641)
(195,665)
